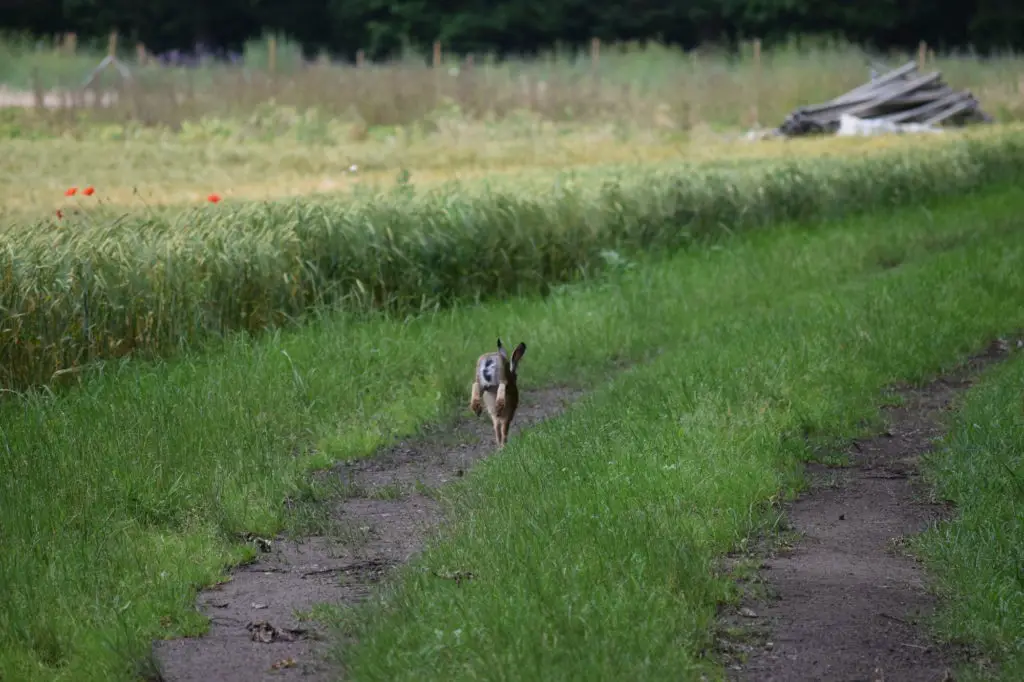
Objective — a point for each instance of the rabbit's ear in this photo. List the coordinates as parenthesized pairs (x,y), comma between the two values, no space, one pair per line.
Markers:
(517,355)
(501,349)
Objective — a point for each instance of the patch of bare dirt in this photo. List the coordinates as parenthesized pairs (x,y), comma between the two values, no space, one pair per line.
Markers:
(258,630)
(843,602)
(54,99)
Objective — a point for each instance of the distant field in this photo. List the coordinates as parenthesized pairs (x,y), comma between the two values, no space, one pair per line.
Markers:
(179,134)
(136,169)
(631,85)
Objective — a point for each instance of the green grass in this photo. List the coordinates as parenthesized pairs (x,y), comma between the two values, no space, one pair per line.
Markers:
(593,538)
(105,284)
(978,556)
(120,497)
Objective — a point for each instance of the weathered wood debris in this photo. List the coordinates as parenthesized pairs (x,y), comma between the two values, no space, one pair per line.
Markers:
(899,97)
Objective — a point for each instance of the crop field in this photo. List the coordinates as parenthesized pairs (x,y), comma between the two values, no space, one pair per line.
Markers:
(211,306)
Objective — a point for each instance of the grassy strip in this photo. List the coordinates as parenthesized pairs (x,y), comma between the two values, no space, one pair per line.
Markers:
(119,498)
(979,556)
(142,284)
(593,538)
(201,160)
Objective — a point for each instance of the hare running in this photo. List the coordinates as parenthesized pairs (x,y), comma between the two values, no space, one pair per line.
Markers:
(494,386)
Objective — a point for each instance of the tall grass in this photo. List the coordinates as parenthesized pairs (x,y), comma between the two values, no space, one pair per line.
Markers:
(653,84)
(101,286)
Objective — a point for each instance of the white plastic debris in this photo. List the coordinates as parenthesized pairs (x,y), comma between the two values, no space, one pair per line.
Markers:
(850,126)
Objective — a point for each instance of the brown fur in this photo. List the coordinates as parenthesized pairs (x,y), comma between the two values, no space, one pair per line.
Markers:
(502,400)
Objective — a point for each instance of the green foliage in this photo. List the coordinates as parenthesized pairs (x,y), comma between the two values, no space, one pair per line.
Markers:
(511,26)
(97,285)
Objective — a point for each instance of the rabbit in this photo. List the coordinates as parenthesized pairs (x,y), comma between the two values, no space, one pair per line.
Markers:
(494,386)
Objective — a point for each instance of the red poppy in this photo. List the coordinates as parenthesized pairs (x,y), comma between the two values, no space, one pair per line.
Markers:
(88,191)
(70,192)
(213,198)
(60,214)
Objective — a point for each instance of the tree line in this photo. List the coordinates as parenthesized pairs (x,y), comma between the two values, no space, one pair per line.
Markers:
(382,28)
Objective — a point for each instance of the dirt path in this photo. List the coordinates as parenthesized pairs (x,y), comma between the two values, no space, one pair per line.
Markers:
(844,603)
(382,520)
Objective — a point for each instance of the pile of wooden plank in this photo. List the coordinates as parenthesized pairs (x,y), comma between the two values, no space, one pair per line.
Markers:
(898,97)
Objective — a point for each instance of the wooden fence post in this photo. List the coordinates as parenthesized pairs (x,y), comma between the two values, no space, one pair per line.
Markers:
(436,63)
(465,83)
(38,96)
(595,53)
(112,44)
(272,54)
(922,55)
(360,58)
(757,82)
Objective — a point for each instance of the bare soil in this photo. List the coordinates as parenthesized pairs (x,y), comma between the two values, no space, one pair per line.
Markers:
(843,602)
(258,628)
(54,99)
